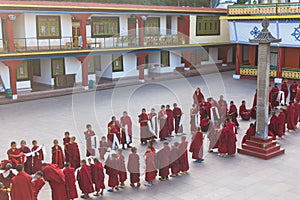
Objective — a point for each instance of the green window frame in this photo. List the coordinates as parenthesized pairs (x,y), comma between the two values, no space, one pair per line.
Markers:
(57,66)
(105,26)
(117,63)
(152,26)
(165,58)
(207,25)
(48,27)
(22,71)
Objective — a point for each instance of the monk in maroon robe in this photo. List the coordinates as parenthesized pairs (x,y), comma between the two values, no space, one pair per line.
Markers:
(150,167)
(57,155)
(274,93)
(281,123)
(133,167)
(37,158)
(223,109)
(70,184)
(213,135)
(38,184)
(273,125)
(284,88)
(28,163)
(111,166)
(126,121)
(144,129)
(13,154)
(163,124)
(250,132)
(170,120)
(183,156)
(298,93)
(122,173)
(177,116)
(163,161)
(98,177)
(222,142)
(231,143)
(89,133)
(193,121)
(56,178)
(113,131)
(196,147)
(293,91)
(244,112)
(174,160)
(297,112)
(198,96)
(7,175)
(290,117)
(22,187)
(204,124)
(84,178)
(66,140)
(73,152)
(103,146)
(233,113)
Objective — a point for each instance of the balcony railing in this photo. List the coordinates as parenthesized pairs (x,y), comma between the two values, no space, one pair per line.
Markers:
(264,9)
(66,43)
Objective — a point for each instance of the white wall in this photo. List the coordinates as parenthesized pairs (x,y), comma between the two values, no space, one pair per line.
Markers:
(106,66)
(213,57)
(163,25)
(19,31)
(46,74)
(73,66)
(23,85)
(129,66)
(174,25)
(4,72)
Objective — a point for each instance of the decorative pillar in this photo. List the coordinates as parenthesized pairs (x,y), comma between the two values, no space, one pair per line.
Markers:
(141,66)
(83,18)
(252,55)
(280,62)
(85,70)
(224,56)
(12,65)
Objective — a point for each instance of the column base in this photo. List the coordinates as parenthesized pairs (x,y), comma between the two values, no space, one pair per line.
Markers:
(278,80)
(264,148)
(142,80)
(14,97)
(236,76)
(224,64)
(187,68)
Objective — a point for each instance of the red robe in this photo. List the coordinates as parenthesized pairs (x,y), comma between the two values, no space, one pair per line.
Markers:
(197,97)
(293,91)
(297,113)
(144,129)
(204,123)
(4,195)
(291,117)
(163,124)
(56,179)
(122,169)
(170,121)
(150,168)
(88,137)
(126,121)
(174,161)
(244,113)
(38,185)
(103,148)
(193,122)
(273,125)
(177,115)
(22,187)
(84,178)
(133,167)
(183,156)
(113,131)
(66,140)
(274,93)
(58,156)
(111,167)
(298,94)
(281,124)
(223,140)
(233,113)
(196,147)
(163,161)
(11,156)
(70,183)
(250,132)
(98,176)
(231,143)
(28,162)
(74,155)
(285,90)
(7,179)
(37,160)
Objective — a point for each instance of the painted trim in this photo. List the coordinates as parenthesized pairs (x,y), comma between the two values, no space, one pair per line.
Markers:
(259,17)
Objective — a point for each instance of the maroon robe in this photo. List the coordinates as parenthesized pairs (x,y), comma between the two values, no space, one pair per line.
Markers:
(163,124)
(103,148)
(150,168)
(22,187)
(113,131)
(285,90)
(281,124)
(196,147)
(122,169)
(28,162)
(293,91)
(273,125)
(70,184)
(98,176)
(233,113)
(126,121)
(183,156)
(231,143)
(84,178)
(170,121)
(4,194)
(223,140)
(74,155)
(174,160)
(291,117)
(37,159)
(244,113)
(38,184)
(250,132)
(7,180)
(13,156)
(197,97)
(163,161)
(298,94)
(144,129)
(213,136)
(88,137)
(177,115)
(274,93)
(56,179)
(193,113)
(297,113)
(204,123)
(133,167)
(58,156)
(111,166)
(66,140)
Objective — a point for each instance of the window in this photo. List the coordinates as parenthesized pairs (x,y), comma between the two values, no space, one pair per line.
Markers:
(169,25)
(94,64)
(57,66)
(48,27)
(165,59)
(207,25)
(105,26)
(22,71)
(205,55)
(36,67)
(117,63)
(152,26)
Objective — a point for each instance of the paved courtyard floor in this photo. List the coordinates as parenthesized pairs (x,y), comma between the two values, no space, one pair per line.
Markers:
(239,177)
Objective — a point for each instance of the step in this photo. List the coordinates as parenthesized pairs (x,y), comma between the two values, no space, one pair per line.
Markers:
(262,140)
(259,144)
(261,155)
(261,150)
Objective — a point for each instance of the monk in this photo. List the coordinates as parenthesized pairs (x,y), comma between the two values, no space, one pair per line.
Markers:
(196,147)
(281,123)
(231,143)
(223,109)
(38,184)
(174,160)
(170,120)
(84,178)
(163,161)
(57,155)
(290,117)
(297,112)
(22,187)
(98,177)
(273,125)
(244,112)
(150,167)
(122,173)
(28,162)
(111,166)
(103,146)
(66,140)
(198,96)
(126,122)
(233,113)
(37,158)
(153,122)
(222,142)
(7,175)
(56,178)
(284,88)
(70,184)
(253,109)
(183,156)
(177,113)
(73,152)
(163,123)
(293,90)
(144,129)
(133,167)
(13,154)
(3,192)
(204,123)
(274,93)
(250,132)
(89,133)
(113,135)
(193,121)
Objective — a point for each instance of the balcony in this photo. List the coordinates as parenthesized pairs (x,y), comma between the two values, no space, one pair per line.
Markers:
(67,43)
(264,9)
